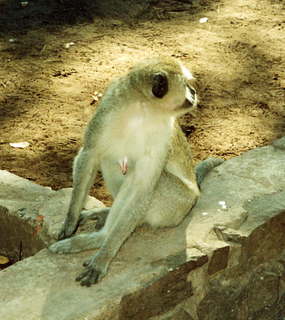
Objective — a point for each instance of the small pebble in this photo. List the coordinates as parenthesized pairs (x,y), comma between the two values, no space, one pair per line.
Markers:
(203,20)
(68,45)
(223,205)
(20,145)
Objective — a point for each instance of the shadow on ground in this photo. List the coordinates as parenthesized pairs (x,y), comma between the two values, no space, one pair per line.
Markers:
(19,16)
(53,66)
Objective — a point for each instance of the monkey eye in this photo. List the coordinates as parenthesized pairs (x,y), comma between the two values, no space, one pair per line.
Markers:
(159,85)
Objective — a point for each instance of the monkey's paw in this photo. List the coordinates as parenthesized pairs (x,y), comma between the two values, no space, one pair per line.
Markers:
(63,246)
(78,243)
(67,230)
(92,274)
(73,245)
(89,277)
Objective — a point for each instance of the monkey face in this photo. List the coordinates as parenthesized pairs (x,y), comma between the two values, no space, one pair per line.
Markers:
(191,100)
(173,91)
(166,84)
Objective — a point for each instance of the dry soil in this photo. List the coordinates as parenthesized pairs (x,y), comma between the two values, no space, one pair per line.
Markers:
(54,65)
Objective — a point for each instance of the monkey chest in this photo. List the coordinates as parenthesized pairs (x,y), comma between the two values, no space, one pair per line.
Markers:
(129,141)
(132,139)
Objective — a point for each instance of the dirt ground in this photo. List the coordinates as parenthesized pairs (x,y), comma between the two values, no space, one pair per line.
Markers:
(52,67)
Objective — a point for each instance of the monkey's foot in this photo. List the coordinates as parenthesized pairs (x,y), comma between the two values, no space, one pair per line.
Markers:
(63,246)
(77,243)
(98,214)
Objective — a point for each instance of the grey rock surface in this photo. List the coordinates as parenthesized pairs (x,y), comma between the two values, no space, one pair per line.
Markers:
(31,215)
(225,261)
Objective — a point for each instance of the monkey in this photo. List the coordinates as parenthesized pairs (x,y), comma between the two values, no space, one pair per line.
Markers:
(134,139)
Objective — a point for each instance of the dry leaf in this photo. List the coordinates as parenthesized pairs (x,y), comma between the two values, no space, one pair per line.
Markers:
(21,145)
(3,260)
(203,20)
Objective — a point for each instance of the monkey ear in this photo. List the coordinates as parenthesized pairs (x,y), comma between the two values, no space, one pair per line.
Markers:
(159,85)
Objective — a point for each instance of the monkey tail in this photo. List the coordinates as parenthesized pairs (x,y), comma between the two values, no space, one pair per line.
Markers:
(204,167)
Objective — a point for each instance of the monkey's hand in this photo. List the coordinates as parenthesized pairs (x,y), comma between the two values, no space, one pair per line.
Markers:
(94,272)
(69,228)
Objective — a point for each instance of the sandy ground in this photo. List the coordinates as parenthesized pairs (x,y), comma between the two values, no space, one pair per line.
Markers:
(51,70)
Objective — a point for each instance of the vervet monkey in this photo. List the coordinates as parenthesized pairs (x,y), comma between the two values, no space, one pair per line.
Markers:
(135,140)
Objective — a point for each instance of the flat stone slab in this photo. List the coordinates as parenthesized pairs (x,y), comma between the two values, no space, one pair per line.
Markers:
(31,215)
(225,261)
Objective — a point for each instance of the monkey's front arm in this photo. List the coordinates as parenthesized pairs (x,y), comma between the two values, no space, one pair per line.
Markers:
(84,172)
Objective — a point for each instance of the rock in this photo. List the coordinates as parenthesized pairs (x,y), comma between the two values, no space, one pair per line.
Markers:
(30,215)
(55,208)
(226,264)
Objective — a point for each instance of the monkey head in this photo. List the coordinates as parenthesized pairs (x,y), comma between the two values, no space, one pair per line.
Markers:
(167,85)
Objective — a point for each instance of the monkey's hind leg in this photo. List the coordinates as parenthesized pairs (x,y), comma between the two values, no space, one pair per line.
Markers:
(204,167)
(78,243)
(99,214)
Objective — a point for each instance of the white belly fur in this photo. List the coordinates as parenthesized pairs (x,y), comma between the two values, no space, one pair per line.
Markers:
(132,138)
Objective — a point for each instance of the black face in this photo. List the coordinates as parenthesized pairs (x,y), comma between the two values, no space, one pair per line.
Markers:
(193,92)
(159,85)
(190,97)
